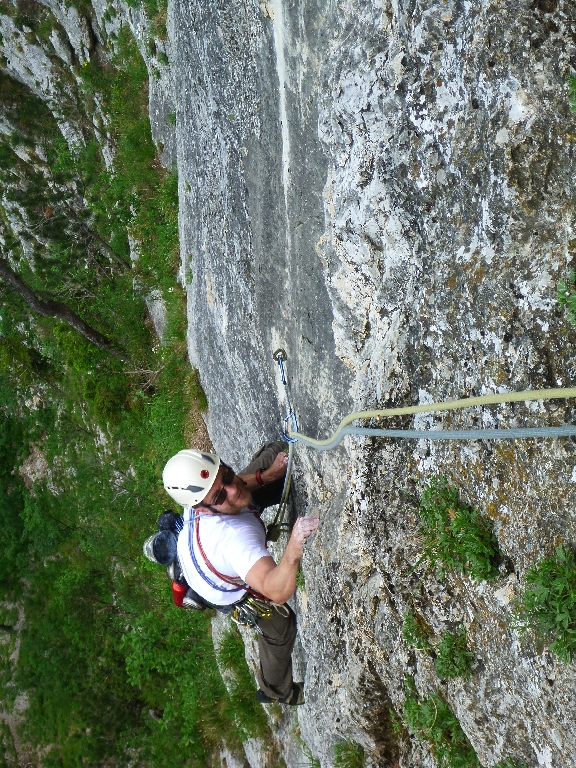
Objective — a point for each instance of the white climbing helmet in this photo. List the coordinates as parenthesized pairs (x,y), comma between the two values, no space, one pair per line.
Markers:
(189,475)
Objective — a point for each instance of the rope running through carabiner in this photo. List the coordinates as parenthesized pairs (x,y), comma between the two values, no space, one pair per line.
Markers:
(449,405)
(292,435)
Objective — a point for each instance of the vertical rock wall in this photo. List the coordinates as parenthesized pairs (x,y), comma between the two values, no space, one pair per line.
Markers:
(386,190)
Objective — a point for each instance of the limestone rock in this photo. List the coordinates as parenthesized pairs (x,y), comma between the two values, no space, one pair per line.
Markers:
(386,191)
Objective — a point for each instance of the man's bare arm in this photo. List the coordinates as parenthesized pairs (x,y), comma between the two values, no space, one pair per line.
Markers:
(278,582)
(276,471)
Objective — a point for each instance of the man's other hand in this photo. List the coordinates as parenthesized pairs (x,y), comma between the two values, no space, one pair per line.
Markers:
(277,470)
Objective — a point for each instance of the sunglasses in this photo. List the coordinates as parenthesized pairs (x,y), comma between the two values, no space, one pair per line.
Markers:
(227,479)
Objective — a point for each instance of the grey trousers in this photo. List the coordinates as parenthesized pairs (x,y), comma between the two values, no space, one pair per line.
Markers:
(275,647)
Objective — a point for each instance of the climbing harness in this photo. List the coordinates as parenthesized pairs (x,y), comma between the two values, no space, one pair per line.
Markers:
(292,434)
(238,585)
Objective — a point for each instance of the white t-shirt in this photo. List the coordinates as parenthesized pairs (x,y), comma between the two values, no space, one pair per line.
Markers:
(232,544)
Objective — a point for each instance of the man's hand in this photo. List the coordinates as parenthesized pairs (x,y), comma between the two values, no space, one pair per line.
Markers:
(303,527)
(277,470)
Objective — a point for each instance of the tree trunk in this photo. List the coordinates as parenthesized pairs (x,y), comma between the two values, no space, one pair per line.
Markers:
(50,308)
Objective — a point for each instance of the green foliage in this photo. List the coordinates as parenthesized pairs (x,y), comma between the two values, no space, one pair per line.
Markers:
(455,536)
(548,604)
(347,754)
(453,659)
(415,632)
(12,497)
(567,288)
(572,91)
(510,762)
(432,720)
(102,644)
(8,753)
(300,580)
(68,632)
(231,653)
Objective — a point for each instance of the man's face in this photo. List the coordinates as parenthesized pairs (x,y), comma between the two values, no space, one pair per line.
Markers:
(229,494)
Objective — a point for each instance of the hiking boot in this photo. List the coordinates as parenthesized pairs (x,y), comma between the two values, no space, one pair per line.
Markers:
(294,698)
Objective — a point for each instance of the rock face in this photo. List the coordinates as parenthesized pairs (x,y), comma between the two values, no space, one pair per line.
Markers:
(386,191)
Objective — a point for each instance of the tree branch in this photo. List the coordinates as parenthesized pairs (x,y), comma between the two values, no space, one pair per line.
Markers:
(50,308)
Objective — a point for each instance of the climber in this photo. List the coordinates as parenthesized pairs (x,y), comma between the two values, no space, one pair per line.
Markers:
(222,557)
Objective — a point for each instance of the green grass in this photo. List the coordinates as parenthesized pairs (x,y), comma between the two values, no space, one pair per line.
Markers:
(8,754)
(311,761)
(454,535)
(347,754)
(300,579)
(547,606)
(453,659)
(431,720)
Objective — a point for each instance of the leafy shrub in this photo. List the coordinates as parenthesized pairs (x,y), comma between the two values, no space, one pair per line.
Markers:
(548,604)
(300,579)
(415,633)
(453,657)
(347,754)
(108,396)
(567,296)
(455,536)
(432,720)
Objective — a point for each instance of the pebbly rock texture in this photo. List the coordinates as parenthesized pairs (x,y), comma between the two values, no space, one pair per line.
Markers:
(387,191)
